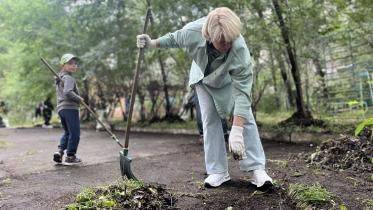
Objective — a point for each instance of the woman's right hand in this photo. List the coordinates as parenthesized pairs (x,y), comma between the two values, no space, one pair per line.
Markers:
(144,40)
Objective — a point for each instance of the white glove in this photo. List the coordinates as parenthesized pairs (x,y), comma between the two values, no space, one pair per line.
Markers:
(236,144)
(144,40)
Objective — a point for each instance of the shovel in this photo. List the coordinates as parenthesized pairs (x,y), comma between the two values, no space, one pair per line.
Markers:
(125,160)
(112,135)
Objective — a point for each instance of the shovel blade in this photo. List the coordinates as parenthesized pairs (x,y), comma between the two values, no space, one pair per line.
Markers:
(125,165)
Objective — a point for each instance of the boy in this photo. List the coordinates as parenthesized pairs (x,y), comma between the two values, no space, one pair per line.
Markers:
(68,100)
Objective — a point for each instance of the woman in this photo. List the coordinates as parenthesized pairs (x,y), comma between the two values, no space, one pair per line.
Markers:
(221,73)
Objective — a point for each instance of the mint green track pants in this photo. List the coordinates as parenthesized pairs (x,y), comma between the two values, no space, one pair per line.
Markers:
(214,145)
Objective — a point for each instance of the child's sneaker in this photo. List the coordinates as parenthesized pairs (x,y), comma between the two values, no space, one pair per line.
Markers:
(72,160)
(57,157)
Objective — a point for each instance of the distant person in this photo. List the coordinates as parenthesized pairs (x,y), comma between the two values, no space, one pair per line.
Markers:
(222,75)
(2,124)
(39,110)
(102,116)
(68,100)
(3,110)
(188,105)
(47,111)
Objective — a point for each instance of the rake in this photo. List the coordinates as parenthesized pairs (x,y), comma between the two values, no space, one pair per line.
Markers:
(124,170)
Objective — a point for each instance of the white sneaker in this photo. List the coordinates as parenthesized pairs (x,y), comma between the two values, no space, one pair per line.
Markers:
(215,180)
(261,179)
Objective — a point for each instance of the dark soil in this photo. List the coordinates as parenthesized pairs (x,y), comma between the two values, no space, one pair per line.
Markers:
(346,152)
(29,180)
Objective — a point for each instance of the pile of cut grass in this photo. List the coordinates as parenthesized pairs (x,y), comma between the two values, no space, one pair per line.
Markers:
(126,194)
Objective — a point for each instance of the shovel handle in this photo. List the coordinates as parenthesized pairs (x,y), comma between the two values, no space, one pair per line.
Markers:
(140,57)
(85,105)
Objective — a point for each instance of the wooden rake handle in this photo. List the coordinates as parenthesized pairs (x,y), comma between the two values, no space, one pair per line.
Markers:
(140,57)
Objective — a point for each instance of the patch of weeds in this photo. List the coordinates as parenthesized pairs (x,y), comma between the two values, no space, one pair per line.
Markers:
(277,183)
(256,192)
(280,163)
(368,203)
(127,194)
(200,184)
(296,174)
(5,181)
(317,171)
(305,196)
(342,207)
(31,152)
(3,144)
(159,125)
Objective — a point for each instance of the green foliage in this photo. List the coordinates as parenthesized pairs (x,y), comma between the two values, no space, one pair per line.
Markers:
(3,144)
(305,195)
(86,195)
(105,197)
(102,34)
(161,125)
(366,123)
(368,203)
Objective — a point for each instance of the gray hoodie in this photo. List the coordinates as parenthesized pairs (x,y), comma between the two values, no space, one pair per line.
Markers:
(67,92)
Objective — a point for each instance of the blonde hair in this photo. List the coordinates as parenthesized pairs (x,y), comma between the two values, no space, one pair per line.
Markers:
(221,22)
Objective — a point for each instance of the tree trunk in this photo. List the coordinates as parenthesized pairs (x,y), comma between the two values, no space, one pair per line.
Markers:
(165,87)
(274,80)
(302,112)
(324,89)
(142,105)
(154,100)
(259,9)
(307,87)
(285,78)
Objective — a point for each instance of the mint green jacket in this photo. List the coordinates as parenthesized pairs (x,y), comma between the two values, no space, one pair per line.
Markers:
(230,83)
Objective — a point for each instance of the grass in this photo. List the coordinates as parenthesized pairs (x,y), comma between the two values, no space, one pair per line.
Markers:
(104,197)
(339,123)
(268,122)
(3,144)
(191,124)
(280,163)
(28,122)
(306,196)
(368,203)
(5,182)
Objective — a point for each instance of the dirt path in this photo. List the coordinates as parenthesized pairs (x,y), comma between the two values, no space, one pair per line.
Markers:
(29,179)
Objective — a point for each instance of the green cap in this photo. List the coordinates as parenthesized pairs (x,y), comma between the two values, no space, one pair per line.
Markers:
(66,58)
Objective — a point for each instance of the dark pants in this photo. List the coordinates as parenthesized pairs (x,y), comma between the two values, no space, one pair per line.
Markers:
(199,118)
(47,115)
(71,124)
